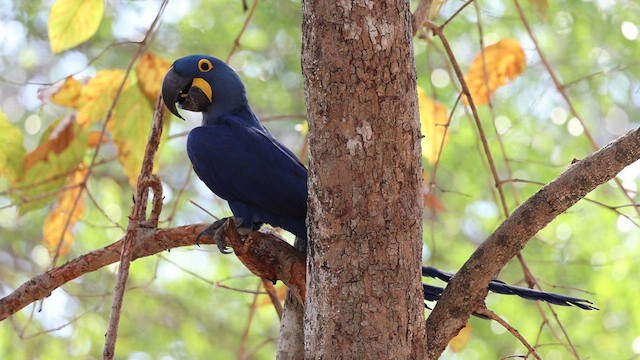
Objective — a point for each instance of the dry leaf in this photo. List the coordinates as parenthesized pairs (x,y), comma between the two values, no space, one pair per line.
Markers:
(47,167)
(540,7)
(433,118)
(150,71)
(431,201)
(505,60)
(460,341)
(281,289)
(69,210)
(93,138)
(58,140)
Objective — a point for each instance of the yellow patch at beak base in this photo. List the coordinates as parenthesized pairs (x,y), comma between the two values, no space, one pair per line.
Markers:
(203,85)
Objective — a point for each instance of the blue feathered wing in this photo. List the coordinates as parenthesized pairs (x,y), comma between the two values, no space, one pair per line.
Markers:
(258,176)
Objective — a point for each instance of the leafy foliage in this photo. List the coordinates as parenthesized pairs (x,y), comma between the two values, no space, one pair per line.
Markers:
(183,304)
(11,159)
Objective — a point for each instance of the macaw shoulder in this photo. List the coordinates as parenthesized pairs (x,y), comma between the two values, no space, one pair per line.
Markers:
(231,137)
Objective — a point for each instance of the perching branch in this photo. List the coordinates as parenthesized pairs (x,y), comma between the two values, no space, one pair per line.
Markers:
(149,241)
(468,287)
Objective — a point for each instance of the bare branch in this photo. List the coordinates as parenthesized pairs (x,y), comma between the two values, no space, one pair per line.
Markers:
(146,180)
(468,287)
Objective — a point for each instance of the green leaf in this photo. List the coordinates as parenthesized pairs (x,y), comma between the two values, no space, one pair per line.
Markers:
(72,22)
(129,130)
(12,151)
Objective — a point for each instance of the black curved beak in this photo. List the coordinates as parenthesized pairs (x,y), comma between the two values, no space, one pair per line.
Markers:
(189,93)
(173,88)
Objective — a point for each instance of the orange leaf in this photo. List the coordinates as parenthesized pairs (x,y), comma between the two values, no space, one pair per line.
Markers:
(150,71)
(460,341)
(433,118)
(281,289)
(94,138)
(69,210)
(504,60)
(432,202)
(59,139)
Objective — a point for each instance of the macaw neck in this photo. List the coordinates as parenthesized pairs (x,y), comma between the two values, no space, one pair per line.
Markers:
(242,112)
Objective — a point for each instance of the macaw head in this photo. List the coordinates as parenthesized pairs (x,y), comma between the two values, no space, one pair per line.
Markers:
(203,84)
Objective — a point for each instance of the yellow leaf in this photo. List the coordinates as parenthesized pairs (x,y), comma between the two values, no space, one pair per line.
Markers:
(68,211)
(68,94)
(97,96)
(129,131)
(433,118)
(460,341)
(12,151)
(150,71)
(504,61)
(72,22)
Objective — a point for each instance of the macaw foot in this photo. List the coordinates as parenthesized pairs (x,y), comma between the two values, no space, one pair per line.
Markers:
(217,231)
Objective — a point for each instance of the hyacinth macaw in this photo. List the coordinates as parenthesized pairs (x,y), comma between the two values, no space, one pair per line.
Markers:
(243,163)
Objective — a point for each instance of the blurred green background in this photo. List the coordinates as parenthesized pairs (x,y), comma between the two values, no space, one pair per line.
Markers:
(184,304)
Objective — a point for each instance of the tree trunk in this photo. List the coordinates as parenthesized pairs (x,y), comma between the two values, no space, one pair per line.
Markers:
(291,342)
(364,298)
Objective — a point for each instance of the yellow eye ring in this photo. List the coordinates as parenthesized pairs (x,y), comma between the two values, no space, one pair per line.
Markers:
(205,65)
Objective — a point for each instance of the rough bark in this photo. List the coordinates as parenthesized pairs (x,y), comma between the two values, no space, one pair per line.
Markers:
(365,182)
(291,342)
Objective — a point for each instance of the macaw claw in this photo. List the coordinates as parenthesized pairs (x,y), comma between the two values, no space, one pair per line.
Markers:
(217,231)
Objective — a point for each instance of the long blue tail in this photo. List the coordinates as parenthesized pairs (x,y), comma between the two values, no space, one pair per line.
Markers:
(433,293)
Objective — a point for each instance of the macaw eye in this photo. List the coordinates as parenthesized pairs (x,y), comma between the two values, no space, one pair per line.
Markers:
(205,65)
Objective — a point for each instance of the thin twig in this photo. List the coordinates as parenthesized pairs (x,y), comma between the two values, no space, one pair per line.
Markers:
(468,287)
(438,31)
(484,311)
(245,333)
(146,180)
(273,295)
(236,41)
(564,94)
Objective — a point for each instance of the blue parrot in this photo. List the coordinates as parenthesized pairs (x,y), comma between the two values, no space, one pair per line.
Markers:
(262,180)
(233,153)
